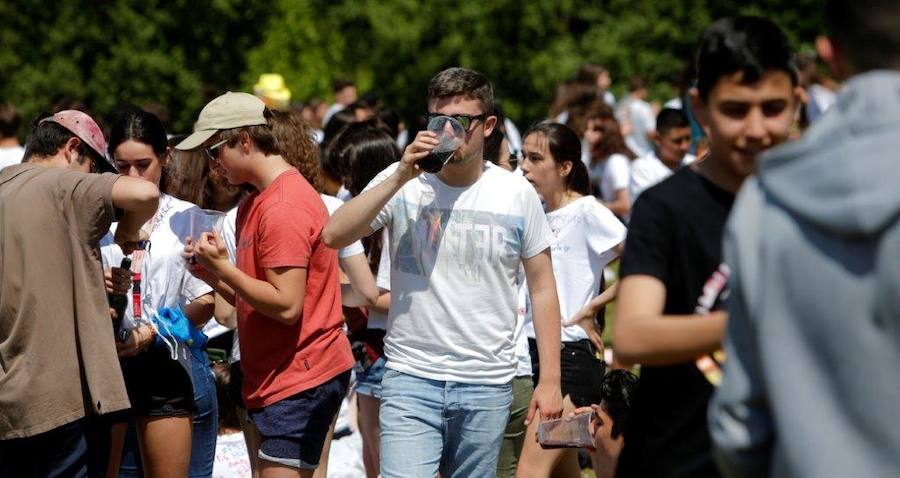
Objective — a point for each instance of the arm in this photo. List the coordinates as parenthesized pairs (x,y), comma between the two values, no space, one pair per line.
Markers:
(362,290)
(353,220)
(383,303)
(545,305)
(224,312)
(138,199)
(279,297)
(644,335)
(199,310)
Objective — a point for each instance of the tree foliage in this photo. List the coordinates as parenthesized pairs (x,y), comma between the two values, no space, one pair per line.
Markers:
(180,53)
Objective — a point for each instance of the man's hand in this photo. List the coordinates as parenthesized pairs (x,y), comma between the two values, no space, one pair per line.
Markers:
(128,241)
(193,265)
(586,319)
(547,399)
(420,148)
(118,280)
(209,251)
(139,339)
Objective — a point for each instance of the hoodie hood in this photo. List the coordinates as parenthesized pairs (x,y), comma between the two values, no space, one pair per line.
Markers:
(843,175)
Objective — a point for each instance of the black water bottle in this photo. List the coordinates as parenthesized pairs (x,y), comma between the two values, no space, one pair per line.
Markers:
(118,302)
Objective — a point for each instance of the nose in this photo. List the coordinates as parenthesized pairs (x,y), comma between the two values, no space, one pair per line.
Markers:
(755,127)
(133,172)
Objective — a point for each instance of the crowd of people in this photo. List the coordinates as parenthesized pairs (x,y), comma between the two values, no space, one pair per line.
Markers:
(204,304)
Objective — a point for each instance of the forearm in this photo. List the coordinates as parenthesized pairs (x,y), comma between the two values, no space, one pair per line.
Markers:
(668,339)
(200,309)
(224,312)
(383,303)
(261,295)
(547,332)
(361,291)
(353,220)
(605,297)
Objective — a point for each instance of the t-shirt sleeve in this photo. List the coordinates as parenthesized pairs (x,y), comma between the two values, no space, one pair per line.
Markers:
(536,231)
(604,233)
(387,212)
(286,236)
(648,245)
(91,196)
(619,171)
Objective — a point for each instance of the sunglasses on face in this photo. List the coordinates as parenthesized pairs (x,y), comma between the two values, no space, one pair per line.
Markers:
(211,151)
(464,120)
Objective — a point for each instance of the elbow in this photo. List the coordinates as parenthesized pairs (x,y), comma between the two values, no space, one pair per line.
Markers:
(331,239)
(627,350)
(147,194)
(290,315)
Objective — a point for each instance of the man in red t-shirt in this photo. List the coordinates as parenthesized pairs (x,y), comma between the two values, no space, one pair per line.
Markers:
(295,357)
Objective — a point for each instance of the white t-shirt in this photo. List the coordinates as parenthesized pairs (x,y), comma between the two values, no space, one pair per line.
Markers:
(639,114)
(611,175)
(213,328)
(11,155)
(332,204)
(455,254)
(585,234)
(165,280)
(649,170)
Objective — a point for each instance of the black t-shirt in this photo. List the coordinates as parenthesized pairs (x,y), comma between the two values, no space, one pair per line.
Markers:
(675,235)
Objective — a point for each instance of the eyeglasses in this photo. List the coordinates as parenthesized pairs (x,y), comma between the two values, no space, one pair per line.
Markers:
(211,151)
(464,120)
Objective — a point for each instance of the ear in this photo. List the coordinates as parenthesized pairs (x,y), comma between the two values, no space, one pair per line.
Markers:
(245,142)
(654,136)
(699,108)
(70,150)
(166,157)
(832,56)
(564,169)
(489,123)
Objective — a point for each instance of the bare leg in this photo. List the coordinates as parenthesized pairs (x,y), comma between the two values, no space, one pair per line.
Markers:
(370,433)
(165,446)
(117,440)
(268,469)
(252,438)
(536,462)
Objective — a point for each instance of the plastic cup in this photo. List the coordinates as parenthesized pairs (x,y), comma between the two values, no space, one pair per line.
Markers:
(451,136)
(205,220)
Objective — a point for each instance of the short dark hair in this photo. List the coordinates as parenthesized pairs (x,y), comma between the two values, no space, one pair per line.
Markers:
(867,31)
(47,138)
(564,146)
(671,118)
(10,119)
(340,84)
(636,83)
(462,81)
(616,393)
(750,45)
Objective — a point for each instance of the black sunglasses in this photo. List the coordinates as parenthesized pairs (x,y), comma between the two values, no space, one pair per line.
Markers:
(464,120)
(211,151)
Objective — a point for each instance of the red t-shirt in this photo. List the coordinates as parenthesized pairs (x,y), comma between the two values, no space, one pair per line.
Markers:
(281,227)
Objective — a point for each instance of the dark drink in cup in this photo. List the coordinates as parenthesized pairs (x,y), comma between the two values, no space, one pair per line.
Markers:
(435,161)
(450,135)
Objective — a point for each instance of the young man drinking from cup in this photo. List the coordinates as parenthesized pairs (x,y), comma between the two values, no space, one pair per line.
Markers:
(458,238)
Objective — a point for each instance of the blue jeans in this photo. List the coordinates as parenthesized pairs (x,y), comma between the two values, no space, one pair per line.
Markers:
(206,418)
(429,426)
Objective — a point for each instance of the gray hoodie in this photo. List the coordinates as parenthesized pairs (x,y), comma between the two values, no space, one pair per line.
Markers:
(811,385)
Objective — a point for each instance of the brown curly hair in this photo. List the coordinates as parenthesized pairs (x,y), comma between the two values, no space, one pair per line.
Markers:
(296,144)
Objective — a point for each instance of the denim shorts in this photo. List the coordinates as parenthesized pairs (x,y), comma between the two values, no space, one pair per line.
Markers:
(293,430)
(369,382)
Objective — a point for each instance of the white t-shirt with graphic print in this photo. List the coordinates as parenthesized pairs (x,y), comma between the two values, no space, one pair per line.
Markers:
(455,253)
(165,279)
(585,234)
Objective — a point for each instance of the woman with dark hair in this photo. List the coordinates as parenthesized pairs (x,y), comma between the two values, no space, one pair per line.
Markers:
(586,238)
(174,426)
(610,165)
(366,148)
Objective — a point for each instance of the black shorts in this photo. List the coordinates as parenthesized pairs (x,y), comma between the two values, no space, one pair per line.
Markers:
(157,385)
(581,372)
(293,430)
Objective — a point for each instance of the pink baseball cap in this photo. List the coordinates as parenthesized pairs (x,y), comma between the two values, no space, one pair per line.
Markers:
(87,130)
